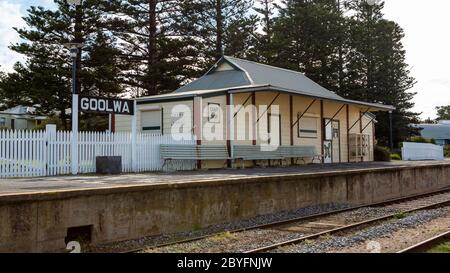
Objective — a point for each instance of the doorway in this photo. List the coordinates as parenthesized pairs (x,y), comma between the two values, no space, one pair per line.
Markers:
(274,129)
(332,141)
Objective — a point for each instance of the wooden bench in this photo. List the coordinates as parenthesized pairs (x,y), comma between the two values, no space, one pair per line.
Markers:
(300,152)
(241,152)
(170,152)
(254,152)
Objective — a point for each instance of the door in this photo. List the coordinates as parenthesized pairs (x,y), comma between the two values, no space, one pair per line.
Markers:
(336,145)
(328,142)
(274,129)
(331,143)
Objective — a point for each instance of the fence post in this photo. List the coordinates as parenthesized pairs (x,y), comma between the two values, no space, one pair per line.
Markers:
(134,139)
(50,137)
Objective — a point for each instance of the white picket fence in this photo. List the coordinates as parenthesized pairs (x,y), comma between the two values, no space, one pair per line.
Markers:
(48,152)
(422,151)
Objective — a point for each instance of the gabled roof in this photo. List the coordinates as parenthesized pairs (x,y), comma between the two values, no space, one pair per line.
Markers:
(235,75)
(20,110)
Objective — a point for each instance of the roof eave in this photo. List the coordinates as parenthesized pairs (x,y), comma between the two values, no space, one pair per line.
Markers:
(373,106)
(266,87)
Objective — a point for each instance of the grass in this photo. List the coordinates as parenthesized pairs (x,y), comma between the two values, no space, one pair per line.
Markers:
(441,248)
(399,215)
(326,237)
(224,236)
(178,249)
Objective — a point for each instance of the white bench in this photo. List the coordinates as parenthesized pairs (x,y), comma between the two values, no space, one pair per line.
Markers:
(170,152)
(300,152)
(255,152)
(241,152)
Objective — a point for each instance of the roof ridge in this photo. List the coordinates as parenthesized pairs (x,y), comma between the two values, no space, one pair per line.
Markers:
(268,65)
(247,74)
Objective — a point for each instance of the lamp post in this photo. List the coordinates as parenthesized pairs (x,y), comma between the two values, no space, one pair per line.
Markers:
(391,137)
(75,50)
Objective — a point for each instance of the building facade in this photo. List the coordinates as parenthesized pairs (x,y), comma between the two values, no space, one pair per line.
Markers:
(20,118)
(238,102)
(439,131)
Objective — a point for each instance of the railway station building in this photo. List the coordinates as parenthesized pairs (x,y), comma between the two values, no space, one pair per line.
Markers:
(240,103)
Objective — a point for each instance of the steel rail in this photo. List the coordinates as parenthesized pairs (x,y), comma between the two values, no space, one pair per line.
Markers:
(427,244)
(345,228)
(293,220)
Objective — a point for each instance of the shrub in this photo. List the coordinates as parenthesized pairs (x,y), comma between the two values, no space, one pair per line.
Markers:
(396,157)
(420,139)
(447,151)
(381,154)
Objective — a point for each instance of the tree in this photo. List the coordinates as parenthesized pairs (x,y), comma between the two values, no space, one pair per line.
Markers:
(428,121)
(44,80)
(378,70)
(263,50)
(308,36)
(219,27)
(157,54)
(443,112)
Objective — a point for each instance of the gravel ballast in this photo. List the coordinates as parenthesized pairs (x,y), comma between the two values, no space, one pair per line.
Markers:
(371,233)
(247,223)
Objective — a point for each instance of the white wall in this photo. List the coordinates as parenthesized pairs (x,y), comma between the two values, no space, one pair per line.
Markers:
(422,151)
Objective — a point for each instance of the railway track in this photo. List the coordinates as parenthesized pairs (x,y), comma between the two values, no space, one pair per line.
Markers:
(427,244)
(347,227)
(315,226)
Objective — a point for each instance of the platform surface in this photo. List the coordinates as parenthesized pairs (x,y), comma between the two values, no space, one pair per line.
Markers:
(19,186)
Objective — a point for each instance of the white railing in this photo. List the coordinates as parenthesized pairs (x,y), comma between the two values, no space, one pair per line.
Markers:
(48,152)
(422,151)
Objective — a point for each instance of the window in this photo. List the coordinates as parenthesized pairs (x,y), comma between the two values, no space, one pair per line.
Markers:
(307,127)
(214,112)
(151,121)
(2,122)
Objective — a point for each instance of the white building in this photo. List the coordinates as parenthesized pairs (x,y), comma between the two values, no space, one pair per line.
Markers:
(20,118)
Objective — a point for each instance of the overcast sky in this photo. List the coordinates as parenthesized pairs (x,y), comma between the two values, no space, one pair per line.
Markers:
(427,43)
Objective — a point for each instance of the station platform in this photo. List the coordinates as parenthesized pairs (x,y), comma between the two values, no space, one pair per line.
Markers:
(40,214)
(15,186)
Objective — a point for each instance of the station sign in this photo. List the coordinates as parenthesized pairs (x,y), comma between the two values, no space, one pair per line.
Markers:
(105,105)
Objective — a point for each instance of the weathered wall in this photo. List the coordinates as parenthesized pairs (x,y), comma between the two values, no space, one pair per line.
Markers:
(123,122)
(39,222)
(243,124)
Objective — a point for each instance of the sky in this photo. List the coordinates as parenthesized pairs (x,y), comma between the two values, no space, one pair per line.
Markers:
(427,44)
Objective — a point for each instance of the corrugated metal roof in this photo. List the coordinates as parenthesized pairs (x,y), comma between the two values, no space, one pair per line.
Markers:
(264,74)
(436,131)
(217,80)
(20,110)
(243,75)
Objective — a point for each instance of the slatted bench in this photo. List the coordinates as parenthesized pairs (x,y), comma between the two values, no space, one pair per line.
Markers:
(171,152)
(300,152)
(254,152)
